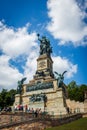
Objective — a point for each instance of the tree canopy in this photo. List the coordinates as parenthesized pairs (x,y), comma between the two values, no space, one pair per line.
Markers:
(7,97)
(76,92)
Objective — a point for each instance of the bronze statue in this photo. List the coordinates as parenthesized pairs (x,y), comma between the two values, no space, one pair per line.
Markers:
(20,83)
(45,47)
(60,78)
(38,97)
(41,73)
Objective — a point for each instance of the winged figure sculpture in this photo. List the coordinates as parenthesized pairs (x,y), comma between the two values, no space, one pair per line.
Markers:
(60,78)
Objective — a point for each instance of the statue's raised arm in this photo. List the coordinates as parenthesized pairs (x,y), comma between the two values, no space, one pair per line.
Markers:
(38,35)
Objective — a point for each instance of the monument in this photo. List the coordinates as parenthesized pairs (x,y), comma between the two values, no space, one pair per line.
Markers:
(46,90)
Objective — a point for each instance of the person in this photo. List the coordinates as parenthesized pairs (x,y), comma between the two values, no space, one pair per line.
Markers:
(26,108)
(33,113)
(36,113)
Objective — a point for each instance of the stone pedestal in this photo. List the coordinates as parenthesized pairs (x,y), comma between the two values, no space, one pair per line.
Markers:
(56,100)
(37,105)
(56,103)
(17,99)
(44,67)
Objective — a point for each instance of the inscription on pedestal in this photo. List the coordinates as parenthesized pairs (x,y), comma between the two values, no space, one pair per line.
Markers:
(42,64)
(39,86)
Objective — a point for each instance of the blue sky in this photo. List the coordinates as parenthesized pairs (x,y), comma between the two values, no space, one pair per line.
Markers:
(64,22)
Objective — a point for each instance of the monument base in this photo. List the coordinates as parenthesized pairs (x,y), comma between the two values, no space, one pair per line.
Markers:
(17,99)
(43,91)
(36,105)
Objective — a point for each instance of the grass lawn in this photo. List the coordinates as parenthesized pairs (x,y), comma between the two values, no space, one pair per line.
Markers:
(80,124)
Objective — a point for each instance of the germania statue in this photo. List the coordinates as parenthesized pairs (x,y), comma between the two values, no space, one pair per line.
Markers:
(45,47)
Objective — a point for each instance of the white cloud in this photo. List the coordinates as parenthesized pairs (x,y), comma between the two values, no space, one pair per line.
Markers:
(62,64)
(66,21)
(15,42)
(31,66)
(8,75)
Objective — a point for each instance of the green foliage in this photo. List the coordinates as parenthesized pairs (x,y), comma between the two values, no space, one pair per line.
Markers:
(7,97)
(76,92)
(80,124)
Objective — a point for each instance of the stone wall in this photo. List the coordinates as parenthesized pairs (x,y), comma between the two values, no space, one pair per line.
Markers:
(85,105)
(75,106)
(55,103)
(41,124)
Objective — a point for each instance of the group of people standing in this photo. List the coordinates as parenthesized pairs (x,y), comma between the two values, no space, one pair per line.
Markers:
(34,112)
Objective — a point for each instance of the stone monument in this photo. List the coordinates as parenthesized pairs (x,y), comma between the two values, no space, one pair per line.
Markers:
(45,91)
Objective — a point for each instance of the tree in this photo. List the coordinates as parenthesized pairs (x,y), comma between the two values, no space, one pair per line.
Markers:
(76,92)
(7,98)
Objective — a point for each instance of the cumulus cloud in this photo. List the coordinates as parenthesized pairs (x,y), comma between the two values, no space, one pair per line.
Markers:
(31,65)
(13,44)
(66,21)
(17,43)
(8,75)
(61,64)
